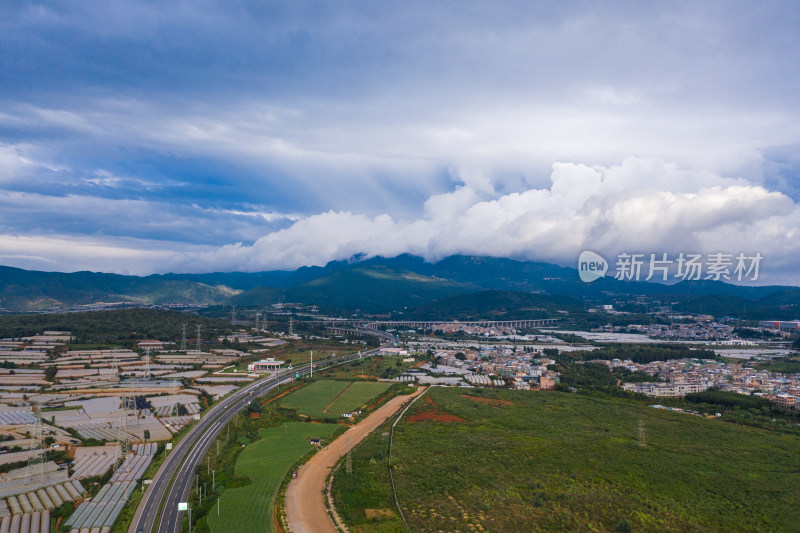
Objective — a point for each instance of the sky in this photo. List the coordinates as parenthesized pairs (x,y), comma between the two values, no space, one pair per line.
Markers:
(195,136)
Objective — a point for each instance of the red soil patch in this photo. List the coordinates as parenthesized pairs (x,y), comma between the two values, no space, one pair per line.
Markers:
(434,414)
(488,401)
(281,395)
(255,415)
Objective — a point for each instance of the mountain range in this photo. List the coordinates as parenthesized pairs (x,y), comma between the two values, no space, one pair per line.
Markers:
(404,283)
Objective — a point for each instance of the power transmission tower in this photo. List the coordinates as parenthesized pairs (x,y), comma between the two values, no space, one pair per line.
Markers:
(291,326)
(128,407)
(641,434)
(36,459)
(233,315)
(183,339)
(258,318)
(147,364)
(199,340)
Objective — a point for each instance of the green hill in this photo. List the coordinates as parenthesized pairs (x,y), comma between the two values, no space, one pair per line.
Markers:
(369,289)
(494,305)
(398,284)
(25,290)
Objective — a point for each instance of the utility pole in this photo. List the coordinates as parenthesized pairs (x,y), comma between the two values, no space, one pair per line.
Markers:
(213,480)
(312,364)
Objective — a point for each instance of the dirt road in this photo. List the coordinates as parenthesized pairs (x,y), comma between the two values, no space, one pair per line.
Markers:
(305,498)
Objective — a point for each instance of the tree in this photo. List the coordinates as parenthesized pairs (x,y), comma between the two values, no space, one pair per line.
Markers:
(146,435)
(460,356)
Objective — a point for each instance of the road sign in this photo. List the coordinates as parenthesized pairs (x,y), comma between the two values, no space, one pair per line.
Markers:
(183,506)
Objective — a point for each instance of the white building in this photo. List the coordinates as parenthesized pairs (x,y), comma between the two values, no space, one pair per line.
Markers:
(265,365)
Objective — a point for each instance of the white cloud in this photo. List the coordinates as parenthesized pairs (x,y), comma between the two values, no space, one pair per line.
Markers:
(600,208)
(626,207)
(68,253)
(13,163)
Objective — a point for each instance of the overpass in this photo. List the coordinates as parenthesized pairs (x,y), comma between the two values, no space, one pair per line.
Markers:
(431,324)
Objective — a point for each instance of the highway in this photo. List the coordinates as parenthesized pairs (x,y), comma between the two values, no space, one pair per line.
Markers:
(158,509)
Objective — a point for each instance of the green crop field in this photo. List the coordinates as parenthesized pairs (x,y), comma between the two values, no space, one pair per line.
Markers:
(370,368)
(312,399)
(357,395)
(550,461)
(266,462)
(329,398)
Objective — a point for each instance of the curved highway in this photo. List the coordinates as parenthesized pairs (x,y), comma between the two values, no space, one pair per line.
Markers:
(158,509)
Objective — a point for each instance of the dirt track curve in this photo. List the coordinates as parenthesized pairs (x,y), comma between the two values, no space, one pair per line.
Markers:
(305,498)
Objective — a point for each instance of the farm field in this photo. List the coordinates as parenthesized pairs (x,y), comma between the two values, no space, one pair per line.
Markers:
(313,398)
(266,462)
(369,368)
(298,351)
(356,395)
(484,460)
(328,398)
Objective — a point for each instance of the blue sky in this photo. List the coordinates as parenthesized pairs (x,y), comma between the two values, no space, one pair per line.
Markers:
(142,137)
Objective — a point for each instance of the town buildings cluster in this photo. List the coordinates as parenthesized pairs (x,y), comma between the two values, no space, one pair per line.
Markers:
(683,376)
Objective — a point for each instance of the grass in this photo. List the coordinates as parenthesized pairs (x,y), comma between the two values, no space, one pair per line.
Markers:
(784,366)
(312,399)
(63,408)
(266,462)
(363,497)
(327,398)
(298,351)
(356,395)
(372,368)
(565,462)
